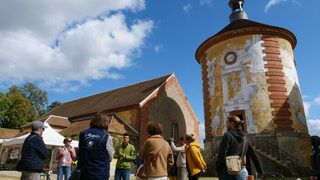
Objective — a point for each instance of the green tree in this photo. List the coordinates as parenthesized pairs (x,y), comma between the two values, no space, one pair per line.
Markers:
(5,104)
(37,97)
(18,113)
(53,105)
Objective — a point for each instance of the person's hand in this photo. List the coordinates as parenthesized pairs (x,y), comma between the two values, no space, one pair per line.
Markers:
(122,155)
(68,148)
(171,139)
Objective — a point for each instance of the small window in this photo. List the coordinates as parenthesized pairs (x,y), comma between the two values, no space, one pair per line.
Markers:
(175,131)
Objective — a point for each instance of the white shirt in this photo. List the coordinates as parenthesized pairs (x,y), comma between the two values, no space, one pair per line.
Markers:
(181,160)
(109,147)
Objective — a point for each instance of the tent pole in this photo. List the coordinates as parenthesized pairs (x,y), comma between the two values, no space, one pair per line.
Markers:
(52,153)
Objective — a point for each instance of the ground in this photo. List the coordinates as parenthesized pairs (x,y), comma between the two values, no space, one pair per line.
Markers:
(14,175)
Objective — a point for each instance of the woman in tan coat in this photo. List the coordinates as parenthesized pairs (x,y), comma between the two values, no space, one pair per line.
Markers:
(156,154)
(195,163)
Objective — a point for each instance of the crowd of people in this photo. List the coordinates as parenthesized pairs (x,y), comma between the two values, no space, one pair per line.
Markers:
(157,159)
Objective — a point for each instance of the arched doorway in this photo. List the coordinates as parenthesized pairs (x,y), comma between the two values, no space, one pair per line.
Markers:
(167,111)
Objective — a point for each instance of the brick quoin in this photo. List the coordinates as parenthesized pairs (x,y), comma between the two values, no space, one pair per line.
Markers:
(144,113)
(276,84)
(174,82)
(206,96)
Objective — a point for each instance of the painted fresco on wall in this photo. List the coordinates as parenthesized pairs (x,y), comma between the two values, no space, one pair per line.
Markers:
(293,86)
(237,82)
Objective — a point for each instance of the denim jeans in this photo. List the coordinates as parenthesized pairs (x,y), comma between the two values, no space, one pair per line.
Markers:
(64,170)
(122,174)
(243,176)
(223,175)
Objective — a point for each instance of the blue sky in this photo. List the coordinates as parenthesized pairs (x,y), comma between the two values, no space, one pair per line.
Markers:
(82,47)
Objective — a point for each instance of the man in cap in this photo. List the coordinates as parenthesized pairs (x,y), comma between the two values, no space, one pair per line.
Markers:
(33,153)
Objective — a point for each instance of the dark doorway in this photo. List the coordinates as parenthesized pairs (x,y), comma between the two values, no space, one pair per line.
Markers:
(242,115)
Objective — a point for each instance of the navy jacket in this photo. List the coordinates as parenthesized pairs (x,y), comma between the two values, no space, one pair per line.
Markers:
(94,160)
(34,151)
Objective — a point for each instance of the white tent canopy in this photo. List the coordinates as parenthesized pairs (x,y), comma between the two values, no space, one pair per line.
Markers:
(50,138)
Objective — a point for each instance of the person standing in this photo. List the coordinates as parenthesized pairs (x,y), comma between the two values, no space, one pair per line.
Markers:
(181,160)
(315,157)
(125,153)
(95,149)
(231,145)
(34,151)
(65,155)
(195,163)
(156,154)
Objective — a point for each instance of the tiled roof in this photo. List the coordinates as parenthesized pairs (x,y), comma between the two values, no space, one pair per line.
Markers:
(242,23)
(53,120)
(58,121)
(117,98)
(8,133)
(117,126)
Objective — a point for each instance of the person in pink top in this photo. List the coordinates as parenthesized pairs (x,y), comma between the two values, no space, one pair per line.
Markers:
(64,156)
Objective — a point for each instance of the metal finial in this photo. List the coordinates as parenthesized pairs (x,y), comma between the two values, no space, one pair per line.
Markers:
(237,10)
(236,4)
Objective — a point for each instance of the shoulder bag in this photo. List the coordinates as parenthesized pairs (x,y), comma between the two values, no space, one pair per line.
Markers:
(234,163)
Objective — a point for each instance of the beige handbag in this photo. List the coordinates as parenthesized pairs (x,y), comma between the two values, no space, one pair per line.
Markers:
(234,163)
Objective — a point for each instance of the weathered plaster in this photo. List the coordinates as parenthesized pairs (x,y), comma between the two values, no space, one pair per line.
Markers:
(238,86)
(129,116)
(293,87)
(172,92)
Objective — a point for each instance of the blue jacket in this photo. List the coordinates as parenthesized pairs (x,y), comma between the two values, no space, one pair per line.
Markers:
(94,160)
(34,151)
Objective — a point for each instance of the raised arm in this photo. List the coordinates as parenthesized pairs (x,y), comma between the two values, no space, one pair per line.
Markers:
(178,149)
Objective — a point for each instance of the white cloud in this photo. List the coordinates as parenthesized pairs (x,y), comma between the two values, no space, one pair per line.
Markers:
(275,2)
(314,127)
(205,2)
(64,44)
(317,100)
(307,106)
(157,48)
(186,8)
(202,133)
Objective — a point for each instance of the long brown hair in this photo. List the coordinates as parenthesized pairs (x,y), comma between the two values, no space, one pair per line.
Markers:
(101,120)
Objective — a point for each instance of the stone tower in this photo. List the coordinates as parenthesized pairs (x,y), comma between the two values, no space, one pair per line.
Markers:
(248,70)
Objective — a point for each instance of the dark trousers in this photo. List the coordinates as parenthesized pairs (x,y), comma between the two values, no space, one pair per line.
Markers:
(196,176)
